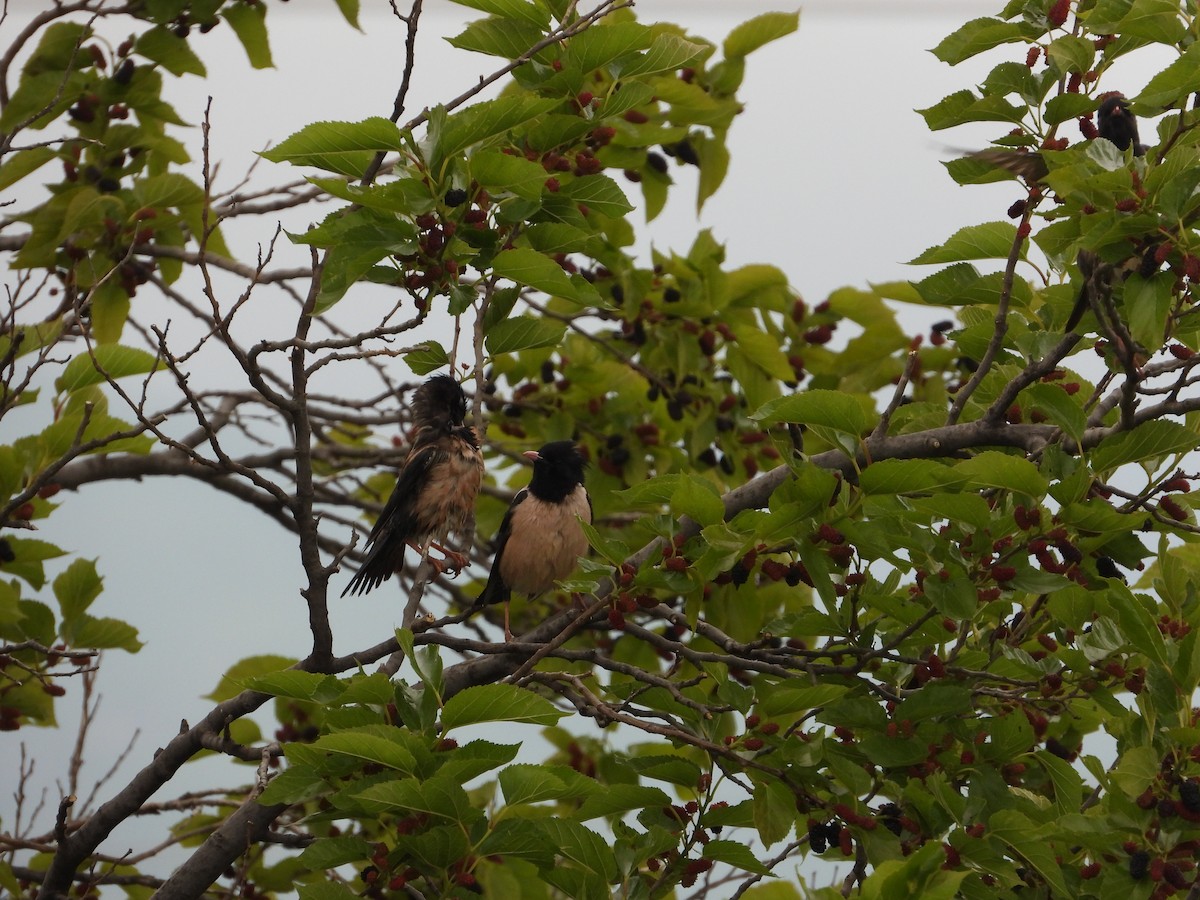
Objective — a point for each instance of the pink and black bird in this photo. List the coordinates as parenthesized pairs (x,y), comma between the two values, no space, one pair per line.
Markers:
(540,539)
(435,491)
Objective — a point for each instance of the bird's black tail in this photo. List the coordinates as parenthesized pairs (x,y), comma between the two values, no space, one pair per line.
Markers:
(495,591)
(375,570)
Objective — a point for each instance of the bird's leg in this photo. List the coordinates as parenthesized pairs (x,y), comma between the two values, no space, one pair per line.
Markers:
(460,560)
(439,565)
(508,635)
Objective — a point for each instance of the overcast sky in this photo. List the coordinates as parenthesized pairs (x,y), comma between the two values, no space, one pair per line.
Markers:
(834,178)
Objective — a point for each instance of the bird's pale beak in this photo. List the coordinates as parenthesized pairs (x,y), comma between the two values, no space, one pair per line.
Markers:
(532,454)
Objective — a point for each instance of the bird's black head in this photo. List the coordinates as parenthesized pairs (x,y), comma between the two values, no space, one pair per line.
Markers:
(439,404)
(1115,122)
(557,470)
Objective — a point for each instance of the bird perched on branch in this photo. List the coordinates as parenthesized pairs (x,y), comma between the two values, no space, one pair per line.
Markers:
(1115,122)
(540,539)
(435,491)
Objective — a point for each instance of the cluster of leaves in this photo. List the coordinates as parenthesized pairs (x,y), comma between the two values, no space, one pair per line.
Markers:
(863,596)
(120,191)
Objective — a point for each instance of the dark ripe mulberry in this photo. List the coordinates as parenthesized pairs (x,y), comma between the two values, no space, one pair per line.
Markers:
(6,552)
(672,295)
(1017,209)
(675,409)
(656,162)
(1189,794)
(456,197)
(889,815)
(816,838)
(685,152)
(124,73)
(1139,864)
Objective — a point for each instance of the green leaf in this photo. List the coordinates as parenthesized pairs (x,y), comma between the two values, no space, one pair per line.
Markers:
(172,53)
(581,845)
(530,784)
(523,333)
(993,468)
(76,587)
(735,854)
(167,190)
(599,193)
(346,148)
(531,13)
(848,413)
(426,358)
(747,37)
(494,36)
(621,798)
(602,44)
(784,701)
(1173,84)
(1063,410)
(1148,302)
(331,852)
(371,748)
(774,811)
(963,106)
(475,758)
(1071,53)
(323,890)
(230,684)
(907,476)
(22,163)
(698,499)
(249,23)
(992,240)
(349,10)
(437,797)
(1023,836)
(1068,786)
(308,686)
(110,309)
(1150,440)
(667,53)
(105,633)
(111,360)
(501,173)
(977,36)
(498,703)
(485,120)
(671,769)
(532,269)
(294,785)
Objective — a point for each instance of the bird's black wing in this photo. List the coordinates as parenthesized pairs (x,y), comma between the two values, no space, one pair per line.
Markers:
(496,591)
(396,525)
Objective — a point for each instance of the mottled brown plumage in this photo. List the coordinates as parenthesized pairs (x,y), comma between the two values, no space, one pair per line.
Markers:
(435,491)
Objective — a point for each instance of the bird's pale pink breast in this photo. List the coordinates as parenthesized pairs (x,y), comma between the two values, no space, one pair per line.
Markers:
(532,565)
